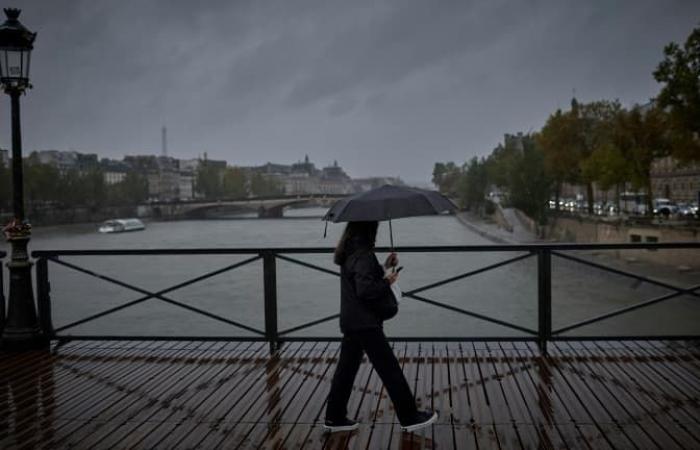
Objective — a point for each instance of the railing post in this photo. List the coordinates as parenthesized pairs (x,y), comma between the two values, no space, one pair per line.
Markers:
(43,297)
(270,281)
(544,298)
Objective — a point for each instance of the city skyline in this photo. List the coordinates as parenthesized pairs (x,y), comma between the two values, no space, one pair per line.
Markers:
(389,88)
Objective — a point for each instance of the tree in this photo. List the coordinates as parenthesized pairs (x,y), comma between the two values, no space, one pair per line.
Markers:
(557,141)
(234,183)
(501,164)
(642,136)
(209,180)
(261,186)
(679,72)
(446,177)
(94,188)
(132,190)
(592,130)
(609,167)
(473,183)
(41,182)
(530,186)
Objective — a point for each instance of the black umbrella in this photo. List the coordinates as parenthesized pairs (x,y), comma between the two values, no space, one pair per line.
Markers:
(389,202)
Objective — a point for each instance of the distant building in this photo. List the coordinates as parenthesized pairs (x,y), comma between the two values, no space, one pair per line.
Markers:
(675,181)
(273,169)
(142,164)
(213,163)
(190,165)
(366,184)
(86,161)
(305,167)
(186,185)
(164,185)
(63,161)
(299,183)
(113,171)
(162,173)
(302,177)
(334,180)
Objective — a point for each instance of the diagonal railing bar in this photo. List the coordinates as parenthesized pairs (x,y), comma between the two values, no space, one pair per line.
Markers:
(170,289)
(409,293)
(470,313)
(626,309)
(314,267)
(308,324)
(309,265)
(468,274)
(158,295)
(622,273)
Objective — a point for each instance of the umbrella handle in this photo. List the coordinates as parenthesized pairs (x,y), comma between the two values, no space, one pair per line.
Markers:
(391,235)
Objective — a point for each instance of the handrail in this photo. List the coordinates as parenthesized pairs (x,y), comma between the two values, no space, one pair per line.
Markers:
(275,337)
(407,249)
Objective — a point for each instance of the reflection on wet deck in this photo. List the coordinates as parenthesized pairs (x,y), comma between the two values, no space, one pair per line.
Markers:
(121,394)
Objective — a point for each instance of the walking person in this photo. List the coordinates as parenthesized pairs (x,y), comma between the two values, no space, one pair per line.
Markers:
(366,301)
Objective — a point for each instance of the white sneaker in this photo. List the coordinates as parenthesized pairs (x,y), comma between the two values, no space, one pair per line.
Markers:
(340,425)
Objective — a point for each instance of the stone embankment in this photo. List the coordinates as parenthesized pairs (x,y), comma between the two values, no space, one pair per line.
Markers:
(521,229)
(503,227)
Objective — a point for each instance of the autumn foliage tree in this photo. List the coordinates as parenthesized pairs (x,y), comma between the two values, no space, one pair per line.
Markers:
(557,143)
(679,72)
(641,135)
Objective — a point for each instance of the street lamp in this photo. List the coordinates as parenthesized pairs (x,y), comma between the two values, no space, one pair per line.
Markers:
(21,329)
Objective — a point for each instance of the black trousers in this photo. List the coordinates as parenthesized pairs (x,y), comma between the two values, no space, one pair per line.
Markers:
(374,344)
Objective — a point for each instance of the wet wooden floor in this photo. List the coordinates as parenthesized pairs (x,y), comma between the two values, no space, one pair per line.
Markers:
(120,394)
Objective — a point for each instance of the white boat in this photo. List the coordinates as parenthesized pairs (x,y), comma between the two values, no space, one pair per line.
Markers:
(121,225)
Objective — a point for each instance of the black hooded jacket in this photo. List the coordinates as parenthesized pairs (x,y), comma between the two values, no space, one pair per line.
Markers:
(366,299)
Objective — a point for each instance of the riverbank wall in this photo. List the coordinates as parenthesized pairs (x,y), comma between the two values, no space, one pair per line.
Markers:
(590,231)
(585,230)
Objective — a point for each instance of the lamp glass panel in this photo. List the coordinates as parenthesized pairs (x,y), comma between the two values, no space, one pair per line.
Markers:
(14,64)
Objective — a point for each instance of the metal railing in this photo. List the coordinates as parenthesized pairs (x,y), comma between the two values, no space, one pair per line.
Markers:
(543,254)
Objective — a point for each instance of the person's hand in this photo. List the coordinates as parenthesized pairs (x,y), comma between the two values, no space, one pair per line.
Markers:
(391,261)
(392,277)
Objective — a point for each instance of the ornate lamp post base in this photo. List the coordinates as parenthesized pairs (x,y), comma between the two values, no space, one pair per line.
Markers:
(21,330)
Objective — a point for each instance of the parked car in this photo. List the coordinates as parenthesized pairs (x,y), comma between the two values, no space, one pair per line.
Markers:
(688,210)
(665,207)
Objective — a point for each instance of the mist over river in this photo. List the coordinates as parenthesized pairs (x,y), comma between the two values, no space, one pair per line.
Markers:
(508,293)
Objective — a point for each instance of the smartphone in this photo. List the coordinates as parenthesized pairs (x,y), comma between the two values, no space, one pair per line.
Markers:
(398,269)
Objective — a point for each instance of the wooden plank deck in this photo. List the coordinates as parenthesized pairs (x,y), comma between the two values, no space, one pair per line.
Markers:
(495,395)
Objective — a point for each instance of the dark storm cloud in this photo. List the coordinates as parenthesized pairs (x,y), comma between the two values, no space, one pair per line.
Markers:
(384,87)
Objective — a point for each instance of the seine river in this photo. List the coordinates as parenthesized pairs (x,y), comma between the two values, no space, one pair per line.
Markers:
(508,293)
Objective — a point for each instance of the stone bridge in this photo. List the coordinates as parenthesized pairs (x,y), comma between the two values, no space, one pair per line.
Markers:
(264,207)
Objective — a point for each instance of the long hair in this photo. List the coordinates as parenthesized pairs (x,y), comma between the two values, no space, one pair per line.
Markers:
(356,235)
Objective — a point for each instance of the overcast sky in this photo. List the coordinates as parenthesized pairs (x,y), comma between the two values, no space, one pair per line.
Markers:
(384,87)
